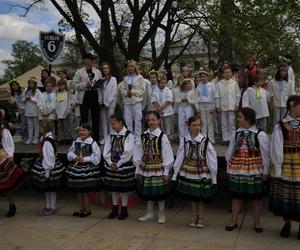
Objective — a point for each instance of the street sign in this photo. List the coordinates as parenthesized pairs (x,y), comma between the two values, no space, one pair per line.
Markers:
(51,44)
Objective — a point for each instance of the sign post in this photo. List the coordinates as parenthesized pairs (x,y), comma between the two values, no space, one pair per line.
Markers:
(51,44)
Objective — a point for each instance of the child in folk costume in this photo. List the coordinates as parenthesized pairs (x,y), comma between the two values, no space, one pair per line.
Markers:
(186,100)
(280,89)
(119,169)
(196,169)
(83,172)
(285,155)
(153,158)
(109,99)
(32,95)
(11,175)
(47,171)
(228,98)
(162,99)
(205,104)
(47,100)
(248,164)
(256,98)
(132,90)
(63,111)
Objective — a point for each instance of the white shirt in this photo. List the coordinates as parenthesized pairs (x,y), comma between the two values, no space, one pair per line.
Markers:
(166,153)
(128,148)
(31,106)
(7,142)
(138,89)
(162,96)
(264,148)
(62,105)
(19,100)
(80,79)
(211,158)
(189,95)
(228,95)
(48,153)
(110,93)
(280,97)
(256,99)
(46,104)
(94,158)
(201,96)
(147,102)
(276,147)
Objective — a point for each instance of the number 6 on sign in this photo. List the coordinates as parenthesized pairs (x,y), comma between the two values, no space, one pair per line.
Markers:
(51,44)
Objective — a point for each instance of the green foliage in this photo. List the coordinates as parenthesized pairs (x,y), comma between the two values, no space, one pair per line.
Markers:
(26,56)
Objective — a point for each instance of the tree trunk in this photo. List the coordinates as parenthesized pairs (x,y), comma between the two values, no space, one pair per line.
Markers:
(225,32)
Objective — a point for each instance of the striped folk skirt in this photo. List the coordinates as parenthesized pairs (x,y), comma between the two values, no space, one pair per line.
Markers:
(195,190)
(83,178)
(285,199)
(246,187)
(11,176)
(47,184)
(119,180)
(153,188)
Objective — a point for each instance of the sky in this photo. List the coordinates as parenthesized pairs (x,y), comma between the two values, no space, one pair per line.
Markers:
(14,27)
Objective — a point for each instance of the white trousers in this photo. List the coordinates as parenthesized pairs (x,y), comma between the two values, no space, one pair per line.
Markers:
(228,125)
(279,113)
(33,125)
(105,114)
(184,113)
(133,116)
(166,124)
(207,120)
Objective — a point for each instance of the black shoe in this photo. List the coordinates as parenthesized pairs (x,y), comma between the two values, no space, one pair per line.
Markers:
(124,214)
(258,229)
(231,228)
(85,214)
(286,230)
(114,212)
(12,210)
(78,213)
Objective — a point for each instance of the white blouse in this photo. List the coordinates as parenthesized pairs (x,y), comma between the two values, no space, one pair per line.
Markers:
(94,158)
(257,99)
(264,148)
(162,96)
(7,142)
(211,158)
(166,152)
(202,98)
(228,95)
(63,105)
(128,148)
(276,147)
(48,154)
(46,104)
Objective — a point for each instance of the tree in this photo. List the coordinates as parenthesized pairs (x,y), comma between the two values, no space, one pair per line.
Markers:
(26,56)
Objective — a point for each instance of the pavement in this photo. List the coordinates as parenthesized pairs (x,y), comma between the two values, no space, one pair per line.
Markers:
(29,230)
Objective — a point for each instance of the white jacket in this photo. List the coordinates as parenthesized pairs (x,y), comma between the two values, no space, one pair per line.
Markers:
(80,79)
(110,93)
(46,104)
(280,97)
(161,96)
(228,95)
(63,105)
(31,107)
(138,90)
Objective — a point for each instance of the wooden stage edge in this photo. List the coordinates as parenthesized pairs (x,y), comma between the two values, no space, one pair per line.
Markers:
(21,148)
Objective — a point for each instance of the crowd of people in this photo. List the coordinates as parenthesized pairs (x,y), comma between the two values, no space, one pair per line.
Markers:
(134,139)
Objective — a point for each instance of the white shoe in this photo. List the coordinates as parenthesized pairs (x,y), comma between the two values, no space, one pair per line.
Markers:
(35,141)
(27,142)
(200,224)
(146,217)
(102,141)
(161,218)
(194,222)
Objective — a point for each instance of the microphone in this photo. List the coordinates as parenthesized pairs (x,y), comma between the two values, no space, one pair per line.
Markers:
(129,88)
